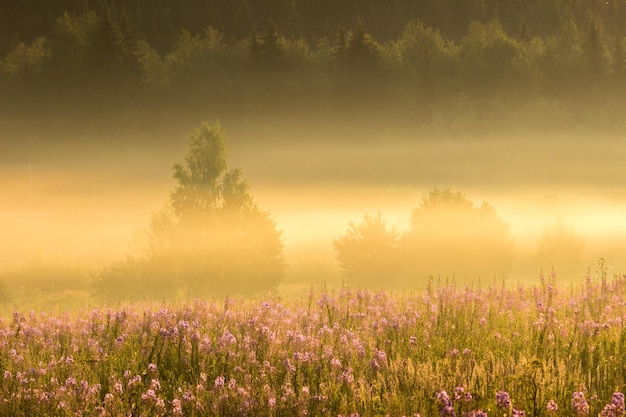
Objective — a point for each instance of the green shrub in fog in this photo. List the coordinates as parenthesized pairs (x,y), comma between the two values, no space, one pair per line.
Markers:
(210,238)
(562,250)
(367,252)
(449,236)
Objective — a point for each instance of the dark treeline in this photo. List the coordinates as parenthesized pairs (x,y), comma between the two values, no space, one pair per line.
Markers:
(561,62)
(160,21)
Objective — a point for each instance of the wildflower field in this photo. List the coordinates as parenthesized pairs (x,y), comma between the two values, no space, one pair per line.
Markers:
(539,350)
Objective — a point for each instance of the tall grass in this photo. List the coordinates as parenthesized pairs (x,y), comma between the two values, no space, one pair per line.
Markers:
(537,350)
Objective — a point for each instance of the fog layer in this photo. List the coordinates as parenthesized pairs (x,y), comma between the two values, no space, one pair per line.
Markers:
(87,204)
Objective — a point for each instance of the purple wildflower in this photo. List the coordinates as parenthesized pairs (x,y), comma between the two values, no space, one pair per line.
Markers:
(447,411)
(609,411)
(475,413)
(443,398)
(580,404)
(160,403)
(347,376)
(118,387)
(188,397)
(618,400)
(155,384)
(134,381)
(70,382)
(459,394)
(445,405)
(149,396)
(552,407)
(289,366)
(615,408)
(177,409)
(503,400)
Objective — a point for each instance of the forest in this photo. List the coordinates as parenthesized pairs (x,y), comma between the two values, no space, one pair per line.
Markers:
(461,67)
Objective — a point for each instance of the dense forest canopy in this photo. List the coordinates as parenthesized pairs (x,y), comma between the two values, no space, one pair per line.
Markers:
(409,53)
(160,21)
(349,69)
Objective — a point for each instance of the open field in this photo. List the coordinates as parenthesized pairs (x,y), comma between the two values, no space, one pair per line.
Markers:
(544,349)
(339,208)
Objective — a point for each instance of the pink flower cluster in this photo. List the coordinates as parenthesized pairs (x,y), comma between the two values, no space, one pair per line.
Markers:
(344,353)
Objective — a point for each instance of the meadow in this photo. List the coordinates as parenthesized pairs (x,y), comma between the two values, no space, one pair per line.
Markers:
(537,350)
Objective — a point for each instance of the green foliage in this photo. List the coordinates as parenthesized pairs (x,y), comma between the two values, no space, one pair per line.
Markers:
(441,202)
(93,51)
(527,72)
(368,251)
(111,52)
(487,53)
(211,238)
(70,45)
(267,51)
(205,185)
(426,53)
(196,56)
(24,62)
(153,69)
(356,57)
(564,56)
(361,54)
(597,54)
(104,53)
(123,281)
(449,236)
(389,59)
(202,179)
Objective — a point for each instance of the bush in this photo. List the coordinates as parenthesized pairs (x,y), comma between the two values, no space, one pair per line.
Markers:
(449,236)
(368,251)
(210,239)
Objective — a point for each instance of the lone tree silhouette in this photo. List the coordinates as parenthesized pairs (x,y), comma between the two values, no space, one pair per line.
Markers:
(210,238)
(367,252)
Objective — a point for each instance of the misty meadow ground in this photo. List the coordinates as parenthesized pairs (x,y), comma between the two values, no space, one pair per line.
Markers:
(544,349)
